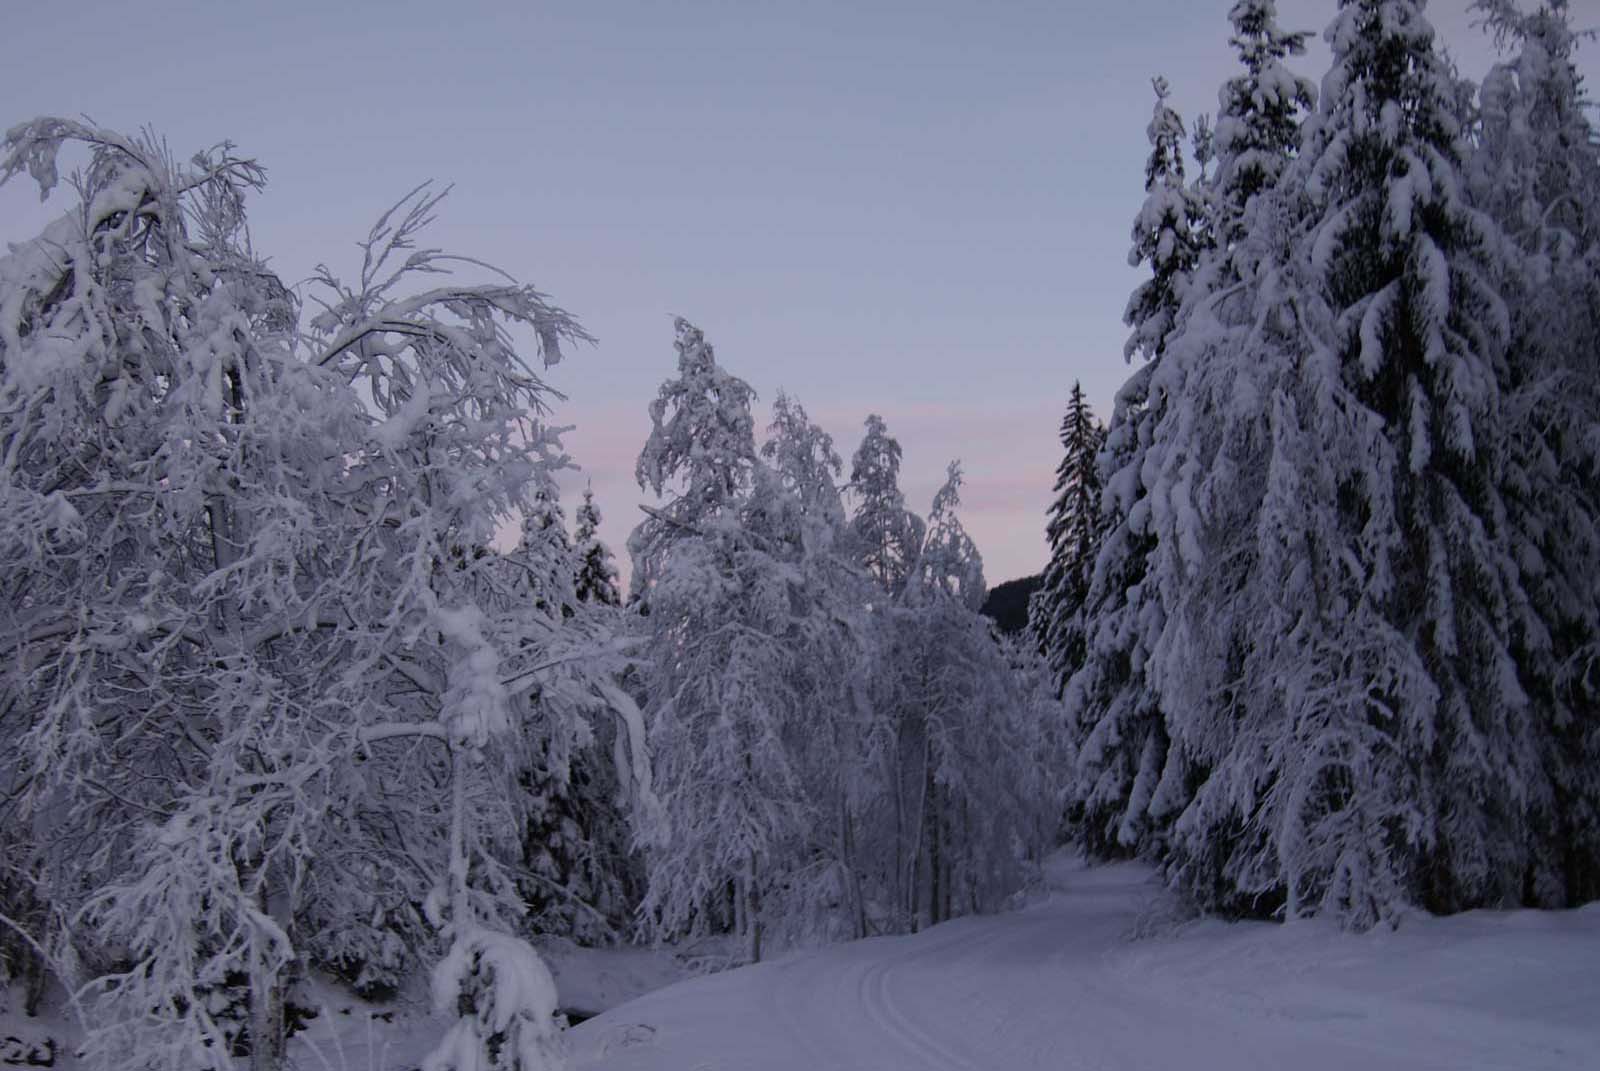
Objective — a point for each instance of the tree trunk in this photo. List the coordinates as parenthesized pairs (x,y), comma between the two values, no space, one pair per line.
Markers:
(847,854)
(34,978)
(752,912)
(919,842)
(897,892)
(935,854)
(267,1042)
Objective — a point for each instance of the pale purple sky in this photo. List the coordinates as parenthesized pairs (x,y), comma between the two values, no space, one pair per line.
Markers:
(917,209)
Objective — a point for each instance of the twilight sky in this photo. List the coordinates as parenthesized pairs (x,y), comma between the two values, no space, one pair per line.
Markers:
(917,209)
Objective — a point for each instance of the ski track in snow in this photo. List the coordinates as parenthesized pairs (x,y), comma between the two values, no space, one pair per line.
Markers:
(1061,986)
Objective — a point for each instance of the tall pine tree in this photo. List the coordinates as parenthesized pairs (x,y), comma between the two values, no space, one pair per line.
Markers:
(1110,699)
(1537,173)
(1412,776)
(1339,667)
(1072,530)
(1206,465)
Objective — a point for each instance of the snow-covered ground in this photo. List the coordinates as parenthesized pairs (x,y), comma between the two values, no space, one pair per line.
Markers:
(350,1034)
(1086,977)
(1065,984)
(353,1036)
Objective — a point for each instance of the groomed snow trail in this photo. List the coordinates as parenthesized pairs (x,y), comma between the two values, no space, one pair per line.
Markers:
(1064,985)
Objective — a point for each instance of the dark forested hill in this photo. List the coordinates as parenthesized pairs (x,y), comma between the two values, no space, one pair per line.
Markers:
(1007,603)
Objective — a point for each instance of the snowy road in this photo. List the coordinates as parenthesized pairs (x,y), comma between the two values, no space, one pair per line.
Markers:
(1062,986)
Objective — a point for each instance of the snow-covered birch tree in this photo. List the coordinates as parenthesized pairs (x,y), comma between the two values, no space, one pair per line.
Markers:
(262,657)
(888,536)
(721,704)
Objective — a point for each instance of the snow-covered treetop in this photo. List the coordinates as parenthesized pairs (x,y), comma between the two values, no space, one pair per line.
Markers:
(887,534)
(1384,156)
(1166,134)
(804,458)
(1539,173)
(543,557)
(1387,80)
(701,431)
(1258,117)
(1073,515)
(597,576)
(701,446)
(588,518)
(950,563)
(1164,233)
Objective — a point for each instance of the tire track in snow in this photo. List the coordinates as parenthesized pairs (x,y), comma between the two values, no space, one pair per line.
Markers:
(877,1000)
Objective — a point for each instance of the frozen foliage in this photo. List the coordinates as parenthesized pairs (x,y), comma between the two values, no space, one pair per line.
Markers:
(750,650)
(1336,649)
(1409,763)
(1258,113)
(513,1002)
(543,563)
(700,434)
(955,798)
(1110,698)
(578,876)
(267,689)
(887,534)
(838,739)
(1537,172)
(1166,233)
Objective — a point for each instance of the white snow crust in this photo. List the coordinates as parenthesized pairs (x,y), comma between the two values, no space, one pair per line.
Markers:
(1096,975)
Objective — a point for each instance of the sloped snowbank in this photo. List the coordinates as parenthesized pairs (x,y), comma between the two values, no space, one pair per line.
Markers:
(349,1034)
(1089,976)
(1066,984)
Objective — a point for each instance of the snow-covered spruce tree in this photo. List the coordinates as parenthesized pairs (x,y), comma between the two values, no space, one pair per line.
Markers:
(1415,784)
(1204,469)
(888,536)
(245,621)
(1120,738)
(1361,736)
(1072,530)
(580,876)
(597,574)
(1537,172)
(543,564)
(577,874)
